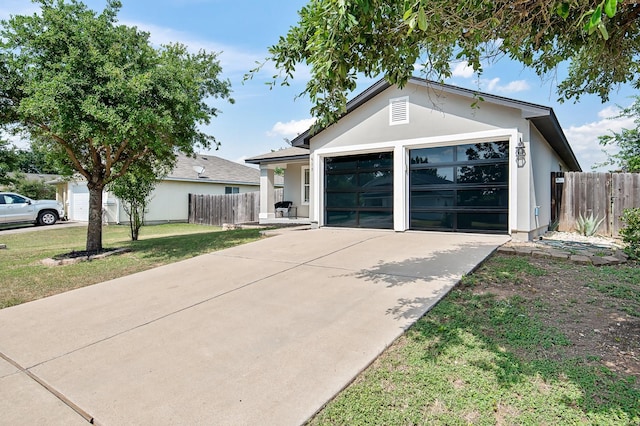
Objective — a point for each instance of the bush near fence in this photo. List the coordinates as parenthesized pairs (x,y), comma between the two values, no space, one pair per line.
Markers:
(606,195)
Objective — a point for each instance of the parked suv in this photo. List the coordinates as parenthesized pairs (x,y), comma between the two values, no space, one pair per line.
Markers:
(16,208)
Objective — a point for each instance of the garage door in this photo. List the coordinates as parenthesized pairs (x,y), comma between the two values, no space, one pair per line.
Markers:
(80,207)
(359,191)
(460,188)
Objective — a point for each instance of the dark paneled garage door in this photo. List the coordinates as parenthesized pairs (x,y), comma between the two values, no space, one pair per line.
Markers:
(460,188)
(359,191)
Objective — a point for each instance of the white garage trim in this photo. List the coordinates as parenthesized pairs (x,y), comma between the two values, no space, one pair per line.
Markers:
(400,149)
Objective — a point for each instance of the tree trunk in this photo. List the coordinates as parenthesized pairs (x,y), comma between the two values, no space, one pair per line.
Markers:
(94,229)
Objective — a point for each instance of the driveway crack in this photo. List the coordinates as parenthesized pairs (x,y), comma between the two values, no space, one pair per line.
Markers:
(88,417)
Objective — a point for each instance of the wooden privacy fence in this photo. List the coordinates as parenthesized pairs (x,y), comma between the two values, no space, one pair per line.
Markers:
(227,208)
(605,195)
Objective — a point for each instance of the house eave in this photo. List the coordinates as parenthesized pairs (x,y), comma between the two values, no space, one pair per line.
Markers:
(542,117)
(275,160)
(550,128)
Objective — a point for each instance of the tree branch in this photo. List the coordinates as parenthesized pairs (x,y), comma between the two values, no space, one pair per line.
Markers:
(68,150)
(127,164)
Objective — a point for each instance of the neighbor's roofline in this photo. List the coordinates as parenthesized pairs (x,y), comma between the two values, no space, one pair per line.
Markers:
(211,181)
(206,180)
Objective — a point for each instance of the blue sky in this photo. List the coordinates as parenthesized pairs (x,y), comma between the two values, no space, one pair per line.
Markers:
(261,118)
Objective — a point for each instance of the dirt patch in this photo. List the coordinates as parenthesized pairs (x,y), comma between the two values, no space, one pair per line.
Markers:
(597,309)
(82,256)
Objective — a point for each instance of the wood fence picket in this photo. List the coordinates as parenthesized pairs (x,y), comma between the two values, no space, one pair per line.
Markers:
(605,195)
(217,210)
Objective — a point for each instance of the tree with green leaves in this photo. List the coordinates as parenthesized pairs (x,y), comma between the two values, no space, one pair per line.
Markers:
(34,160)
(627,141)
(341,39)
(134,190)
(36,189)
(99,98)
(7,162)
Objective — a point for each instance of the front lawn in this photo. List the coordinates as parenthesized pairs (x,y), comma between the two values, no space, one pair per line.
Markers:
(521,341)
(24,278)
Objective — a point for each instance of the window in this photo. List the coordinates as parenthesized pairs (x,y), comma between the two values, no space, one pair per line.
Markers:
(231,189)
(306,185)
(13,199)
(399,111)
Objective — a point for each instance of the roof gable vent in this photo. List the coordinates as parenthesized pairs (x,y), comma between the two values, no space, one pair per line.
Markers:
(399,111)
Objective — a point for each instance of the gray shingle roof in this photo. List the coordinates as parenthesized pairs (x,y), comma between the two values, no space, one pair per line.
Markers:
(216,170)
(283,154)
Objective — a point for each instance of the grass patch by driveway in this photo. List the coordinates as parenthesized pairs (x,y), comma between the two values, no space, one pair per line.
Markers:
(522,341)
(24,278)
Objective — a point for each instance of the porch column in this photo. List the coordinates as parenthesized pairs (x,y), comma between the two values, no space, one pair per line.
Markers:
(267,197)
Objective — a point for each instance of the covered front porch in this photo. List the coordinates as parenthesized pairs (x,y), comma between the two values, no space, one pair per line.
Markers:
(293,207)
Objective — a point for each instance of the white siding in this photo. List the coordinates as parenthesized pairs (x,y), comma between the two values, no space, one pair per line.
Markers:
(438,119)
(170,202)
(432,115)
(543,161)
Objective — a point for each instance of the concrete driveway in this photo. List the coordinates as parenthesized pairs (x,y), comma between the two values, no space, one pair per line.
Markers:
(263,333)
(22,228)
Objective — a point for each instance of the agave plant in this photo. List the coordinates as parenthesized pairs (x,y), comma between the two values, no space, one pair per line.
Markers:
(588,226)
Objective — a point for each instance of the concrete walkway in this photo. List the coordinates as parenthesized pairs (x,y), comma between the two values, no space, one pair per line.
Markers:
(263,333)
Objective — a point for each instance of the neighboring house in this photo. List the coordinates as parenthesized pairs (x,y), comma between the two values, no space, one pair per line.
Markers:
(424,158)
(204,174)
(31,177)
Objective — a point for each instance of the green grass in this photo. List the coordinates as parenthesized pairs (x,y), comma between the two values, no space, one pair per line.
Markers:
(507,269)
(24,278)
(622,284)
(486,360)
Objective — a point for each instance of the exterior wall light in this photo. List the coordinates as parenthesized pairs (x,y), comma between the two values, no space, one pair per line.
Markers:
(521,154)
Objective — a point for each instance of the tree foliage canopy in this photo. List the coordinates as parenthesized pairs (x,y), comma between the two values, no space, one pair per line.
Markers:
(99,97)
(339,39)
(8,160)
(627,141)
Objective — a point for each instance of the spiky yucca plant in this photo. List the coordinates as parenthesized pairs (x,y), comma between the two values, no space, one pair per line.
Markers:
(588,226)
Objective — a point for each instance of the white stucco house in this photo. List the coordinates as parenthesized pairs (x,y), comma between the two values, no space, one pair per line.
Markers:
(202,174)
(425,158)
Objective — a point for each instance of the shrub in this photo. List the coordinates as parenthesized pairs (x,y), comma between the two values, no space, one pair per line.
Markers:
(631,232)
(34,189)
(588,226)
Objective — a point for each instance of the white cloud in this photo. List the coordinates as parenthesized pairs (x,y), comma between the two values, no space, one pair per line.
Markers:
(16,140)
(494,86)
(515,86)
(231,58)
(462,69)
(291,129)
(608,112)
(584,139)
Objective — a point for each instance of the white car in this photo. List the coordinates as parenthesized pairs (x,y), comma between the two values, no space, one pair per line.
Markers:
(16,208)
